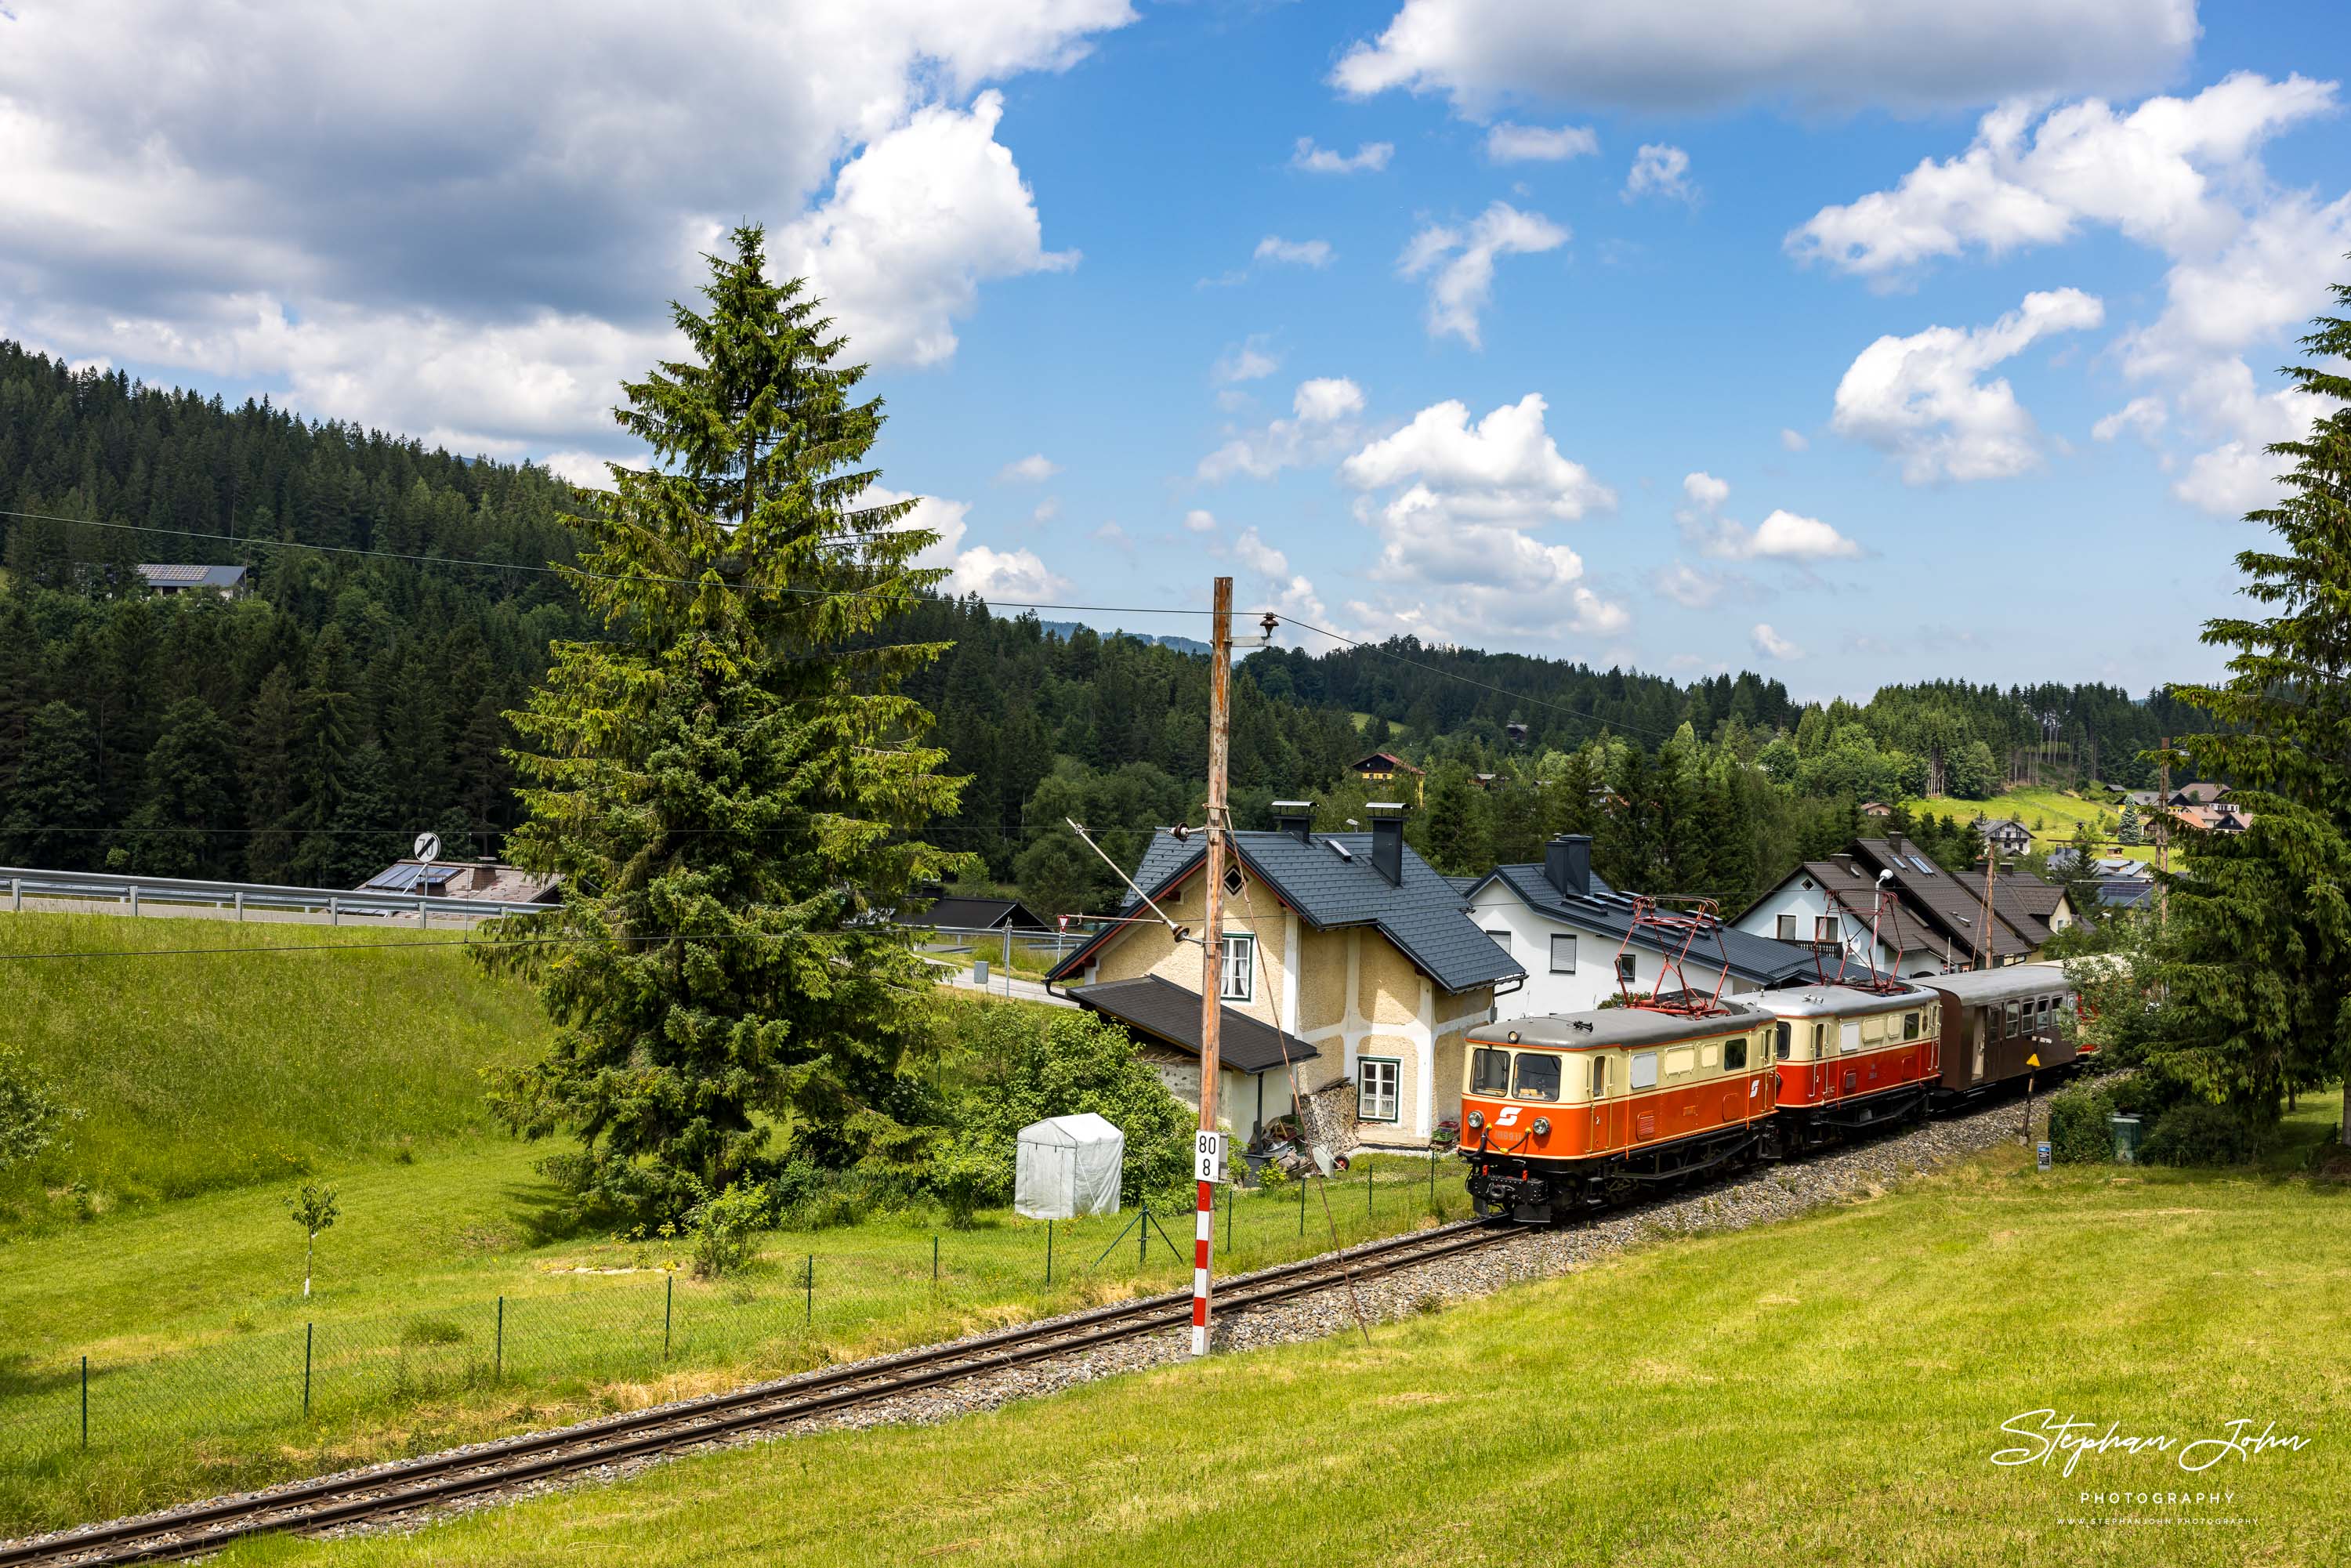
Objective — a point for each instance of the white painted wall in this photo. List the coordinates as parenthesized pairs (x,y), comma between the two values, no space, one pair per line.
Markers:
(1807,900)
(1497,908)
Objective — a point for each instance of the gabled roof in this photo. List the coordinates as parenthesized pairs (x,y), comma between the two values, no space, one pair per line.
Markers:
(1159,1008)
(2035,896)
(1948,906)
(1760,960)
(1328,879)
(980,914)
(2202,793)
(174,575)
(1384,762)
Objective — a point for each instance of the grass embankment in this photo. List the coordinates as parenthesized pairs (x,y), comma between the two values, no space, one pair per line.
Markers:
(1828,1390)
(2051,814)
(220,1077)
(202,1070)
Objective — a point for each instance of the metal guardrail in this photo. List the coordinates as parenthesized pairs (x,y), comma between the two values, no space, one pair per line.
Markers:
(97,886)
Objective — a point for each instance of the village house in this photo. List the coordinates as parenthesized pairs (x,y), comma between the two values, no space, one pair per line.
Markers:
(167,580)
(1345,960)
(1577,940)
(1385,768)
(1928,920)
(2008,836)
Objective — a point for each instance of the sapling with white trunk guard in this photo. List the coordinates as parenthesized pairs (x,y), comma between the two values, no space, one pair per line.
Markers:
(314,1209)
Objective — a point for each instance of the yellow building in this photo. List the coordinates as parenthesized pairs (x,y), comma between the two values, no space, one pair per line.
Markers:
(1344,957)
(1385,768)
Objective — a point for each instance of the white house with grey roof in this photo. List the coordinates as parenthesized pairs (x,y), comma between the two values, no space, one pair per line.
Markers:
(1343,958)
(1575,936)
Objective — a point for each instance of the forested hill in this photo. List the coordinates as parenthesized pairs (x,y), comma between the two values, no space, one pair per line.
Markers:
(307,731)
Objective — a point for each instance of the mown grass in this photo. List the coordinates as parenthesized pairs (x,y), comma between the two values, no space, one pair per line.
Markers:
(1828,1390)
(2054,811)
(199,1071)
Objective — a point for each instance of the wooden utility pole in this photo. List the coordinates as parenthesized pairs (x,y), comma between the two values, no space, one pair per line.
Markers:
(1212,950)
(1992,921)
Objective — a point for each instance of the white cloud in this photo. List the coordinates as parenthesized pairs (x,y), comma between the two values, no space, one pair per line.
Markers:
(1461,286)
(1370,158)
(1294,252)
(2160,175)
(1249,362)
(1200,522)
(1033,469)
(387,196)
(1660,170)
(1771,645)
(2144,416)
(1327,397)
(1005,576)
(1919,399)
(1260,557)
(1784,535)
(1322,427)
(2268,281)
(1794,439)
(2239,473)
(1458,523)
(1047,510)
(582,468)
(1111,534)
(1685,55)
(1509,143)
(915,222)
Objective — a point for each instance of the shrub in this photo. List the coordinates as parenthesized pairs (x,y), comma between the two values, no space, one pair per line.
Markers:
(1070,1063)
(724,1228)
(2078,1131)
(2196,1134)
(29,1113)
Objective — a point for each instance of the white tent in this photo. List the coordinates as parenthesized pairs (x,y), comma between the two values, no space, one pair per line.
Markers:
(1067,1165)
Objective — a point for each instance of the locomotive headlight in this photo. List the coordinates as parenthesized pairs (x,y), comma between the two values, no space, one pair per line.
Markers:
(1476,1120)
(1543,1127)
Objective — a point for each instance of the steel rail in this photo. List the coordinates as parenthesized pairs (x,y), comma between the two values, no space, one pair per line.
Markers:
(410,1484)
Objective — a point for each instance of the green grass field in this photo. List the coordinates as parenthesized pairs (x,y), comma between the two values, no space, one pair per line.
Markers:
(2052,814)
(212,1080)
(1827,1390)
(199,1070)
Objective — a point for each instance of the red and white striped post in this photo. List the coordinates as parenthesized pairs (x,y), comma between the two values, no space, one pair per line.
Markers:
(1209,1145)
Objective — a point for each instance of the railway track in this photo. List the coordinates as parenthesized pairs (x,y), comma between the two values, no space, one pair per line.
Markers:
(310,1506)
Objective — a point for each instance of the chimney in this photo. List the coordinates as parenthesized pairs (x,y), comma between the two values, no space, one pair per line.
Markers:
(1567,864)
(1295,817)
(485,872)
(1387,840)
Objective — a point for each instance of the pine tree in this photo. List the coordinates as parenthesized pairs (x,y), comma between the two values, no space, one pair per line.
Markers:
(731,784)
(183,826)
(53,805)
(2264,929)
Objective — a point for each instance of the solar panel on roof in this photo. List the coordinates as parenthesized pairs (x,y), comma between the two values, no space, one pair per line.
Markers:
(1920,862)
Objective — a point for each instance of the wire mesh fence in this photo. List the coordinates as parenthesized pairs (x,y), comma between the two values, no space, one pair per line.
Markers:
(807,1300)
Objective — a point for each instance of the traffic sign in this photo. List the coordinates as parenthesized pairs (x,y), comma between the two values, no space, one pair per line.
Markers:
(1208,1156)
(428,847)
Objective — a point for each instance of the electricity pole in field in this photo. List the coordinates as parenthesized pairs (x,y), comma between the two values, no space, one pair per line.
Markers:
(2163,835)
(1207,1147)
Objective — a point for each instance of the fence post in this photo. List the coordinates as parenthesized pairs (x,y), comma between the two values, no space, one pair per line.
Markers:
(498,1361)
(935,1261)
(669,1300)
(1301,1208)
(424,913)
(1049,1253)
(85,1402)
(810,1317)
(1228,1219)
(1367,1192)
(1432,1179)
(308,1329)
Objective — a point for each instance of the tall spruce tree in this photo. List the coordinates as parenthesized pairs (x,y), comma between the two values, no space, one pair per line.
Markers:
(2262,977)
(732,785)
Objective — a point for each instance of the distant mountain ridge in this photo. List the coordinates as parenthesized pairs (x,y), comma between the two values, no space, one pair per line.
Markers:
(1064,630)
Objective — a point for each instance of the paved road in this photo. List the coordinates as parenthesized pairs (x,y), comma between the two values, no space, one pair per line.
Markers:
(1001,984)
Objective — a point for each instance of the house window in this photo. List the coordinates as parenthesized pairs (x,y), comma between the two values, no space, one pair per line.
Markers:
(1501,939)
(1234,880)
(1375,1087)
(1825,930)
(1788,929)
(1563,955)
(1238,980)
(1624,967)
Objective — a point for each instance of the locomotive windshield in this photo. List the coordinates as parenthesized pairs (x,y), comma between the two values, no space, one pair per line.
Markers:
(1537,1076)
(1489,1071)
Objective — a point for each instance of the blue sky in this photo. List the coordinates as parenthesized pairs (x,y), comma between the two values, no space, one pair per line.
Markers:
(1684,336)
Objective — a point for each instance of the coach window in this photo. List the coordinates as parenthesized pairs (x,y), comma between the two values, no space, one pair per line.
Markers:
(1645,1070)
(1537,1076)
(2011,1021)
(1786,1040)
(1489,1071)
(1734,1054)
(1600,1078)
(1909,1026)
